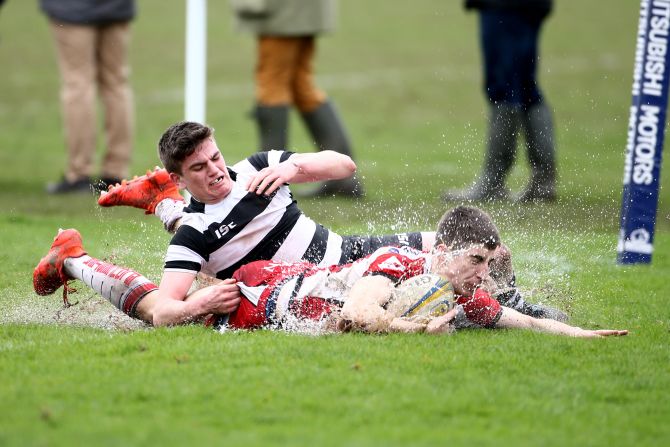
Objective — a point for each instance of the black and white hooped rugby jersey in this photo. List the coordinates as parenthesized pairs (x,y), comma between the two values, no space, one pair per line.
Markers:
(244,227)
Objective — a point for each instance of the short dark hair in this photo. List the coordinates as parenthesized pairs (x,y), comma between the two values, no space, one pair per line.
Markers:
(464,226)
(179,141)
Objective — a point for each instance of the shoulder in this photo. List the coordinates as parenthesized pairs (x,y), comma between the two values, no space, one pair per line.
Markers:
(188,235)
(397,262)
(193,217)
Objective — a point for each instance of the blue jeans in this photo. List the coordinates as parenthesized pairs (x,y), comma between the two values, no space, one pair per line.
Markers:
(509,42)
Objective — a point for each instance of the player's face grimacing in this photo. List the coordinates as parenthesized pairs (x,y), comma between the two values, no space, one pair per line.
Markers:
(466,269)
(204,174)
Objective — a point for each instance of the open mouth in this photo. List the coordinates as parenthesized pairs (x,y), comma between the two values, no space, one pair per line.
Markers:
(216,181)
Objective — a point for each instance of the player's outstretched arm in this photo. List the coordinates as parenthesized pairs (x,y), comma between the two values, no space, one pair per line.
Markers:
(512,319)
(406,326)
(172,306)
(364,310)
(323,165)
(302,168)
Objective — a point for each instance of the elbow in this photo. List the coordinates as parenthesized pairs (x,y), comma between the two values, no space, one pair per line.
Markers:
(344,163)
(366,317)
(159,319)
(345,167)
(351,166)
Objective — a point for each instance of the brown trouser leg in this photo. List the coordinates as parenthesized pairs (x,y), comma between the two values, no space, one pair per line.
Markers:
(284,73)
(88,58)
(75,47)
(117,98)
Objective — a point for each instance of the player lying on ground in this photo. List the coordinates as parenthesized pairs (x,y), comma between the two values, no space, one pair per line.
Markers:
(246,212)
(239,214)
(355,296)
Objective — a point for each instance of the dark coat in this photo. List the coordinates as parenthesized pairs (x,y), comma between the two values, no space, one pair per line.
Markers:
(89,12)
(285,17)
(535,6)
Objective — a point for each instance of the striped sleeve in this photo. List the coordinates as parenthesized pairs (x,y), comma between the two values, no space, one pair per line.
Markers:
(261,160)
(187,251)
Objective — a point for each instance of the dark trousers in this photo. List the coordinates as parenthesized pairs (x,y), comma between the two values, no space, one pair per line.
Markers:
(509,42)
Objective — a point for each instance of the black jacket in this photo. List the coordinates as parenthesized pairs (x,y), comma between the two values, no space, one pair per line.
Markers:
(89,12)
(536,6)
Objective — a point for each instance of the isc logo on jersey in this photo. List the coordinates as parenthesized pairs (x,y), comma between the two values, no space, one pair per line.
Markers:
(224,229)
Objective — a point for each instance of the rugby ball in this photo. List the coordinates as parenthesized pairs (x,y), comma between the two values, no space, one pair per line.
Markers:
(422,297)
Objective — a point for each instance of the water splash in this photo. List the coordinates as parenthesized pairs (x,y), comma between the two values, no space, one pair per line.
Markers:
(86,311)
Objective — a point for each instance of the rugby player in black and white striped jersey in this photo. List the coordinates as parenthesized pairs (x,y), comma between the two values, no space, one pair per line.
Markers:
(241,213)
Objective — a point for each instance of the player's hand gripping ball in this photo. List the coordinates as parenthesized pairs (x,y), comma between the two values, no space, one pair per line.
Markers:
(422,297)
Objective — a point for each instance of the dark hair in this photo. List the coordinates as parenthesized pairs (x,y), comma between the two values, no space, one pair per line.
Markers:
(179,141)
(464,226)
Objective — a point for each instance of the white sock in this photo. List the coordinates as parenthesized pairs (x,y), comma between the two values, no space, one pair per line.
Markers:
(122,287)
(169,211)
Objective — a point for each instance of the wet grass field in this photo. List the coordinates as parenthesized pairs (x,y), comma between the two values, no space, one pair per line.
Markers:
(406,78)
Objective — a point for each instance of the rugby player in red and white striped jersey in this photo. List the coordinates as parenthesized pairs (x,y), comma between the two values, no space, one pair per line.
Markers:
(356,296)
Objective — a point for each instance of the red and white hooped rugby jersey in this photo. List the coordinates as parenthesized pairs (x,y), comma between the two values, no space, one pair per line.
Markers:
(274,290)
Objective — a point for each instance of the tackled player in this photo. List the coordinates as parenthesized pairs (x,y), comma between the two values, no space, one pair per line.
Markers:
(356,296)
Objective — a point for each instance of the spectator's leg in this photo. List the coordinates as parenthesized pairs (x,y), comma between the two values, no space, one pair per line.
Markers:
(275,70)
(539,131)
(75,47)
(498,43)
(322,121)
(536,117)
(117,98)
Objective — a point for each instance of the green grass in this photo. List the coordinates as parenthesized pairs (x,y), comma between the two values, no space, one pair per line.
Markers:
(406,78)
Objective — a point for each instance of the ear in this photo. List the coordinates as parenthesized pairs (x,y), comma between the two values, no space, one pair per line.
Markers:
(441,248)
(441,260)
(176,179)
(440,251)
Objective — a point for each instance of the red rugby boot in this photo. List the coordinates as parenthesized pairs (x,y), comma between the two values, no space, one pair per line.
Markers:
(49,275)
(143,192)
